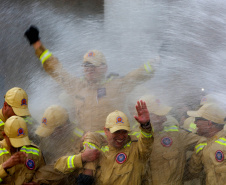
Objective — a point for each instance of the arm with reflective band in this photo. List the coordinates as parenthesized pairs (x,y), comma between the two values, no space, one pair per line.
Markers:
(54,68)
(3,173)
(195,163)
(135,77)
(145,142)
(67,164)
(90,145)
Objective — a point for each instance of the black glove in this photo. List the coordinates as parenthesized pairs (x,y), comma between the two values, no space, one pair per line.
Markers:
(32,34)
(84,179)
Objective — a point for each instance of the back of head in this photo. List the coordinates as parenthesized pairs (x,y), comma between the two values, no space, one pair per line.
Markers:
(94,57)
(155,106)
(53,117)
(17,98)
(16,129)
(117,120)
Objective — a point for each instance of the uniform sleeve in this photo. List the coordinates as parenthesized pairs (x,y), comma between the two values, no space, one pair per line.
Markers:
(67,164)
(139,75)
(2,172)
(190,140)
(145,142)
(195,163)
(55,69)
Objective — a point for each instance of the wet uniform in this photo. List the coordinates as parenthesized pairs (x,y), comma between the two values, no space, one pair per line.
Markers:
(21,173)
(210,153)
(167,161)
(93,101)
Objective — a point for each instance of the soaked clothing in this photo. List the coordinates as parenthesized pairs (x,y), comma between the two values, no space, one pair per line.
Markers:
(124,166)
(209,154)
(21,173)
(93,102)
(58,144)
(168,156)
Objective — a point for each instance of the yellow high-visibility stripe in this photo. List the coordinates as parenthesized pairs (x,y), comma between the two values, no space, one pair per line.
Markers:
(90,145)
(137,134)
(70,161)
(147,135)
(78,132)
(127,144)
(193,126)
(221,141)
(3,151)
(148,68)
(45,55)
(30,150)
(200,146)
(1,123)
(171,128)
(101,132)
(104,148)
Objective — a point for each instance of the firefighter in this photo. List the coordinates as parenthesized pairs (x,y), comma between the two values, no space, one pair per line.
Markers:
(19,158)
(121,160)
(210,150)
(96,95)
(16,103)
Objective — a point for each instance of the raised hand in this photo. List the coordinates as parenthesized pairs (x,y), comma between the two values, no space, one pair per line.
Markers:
(143,113)
(90,155)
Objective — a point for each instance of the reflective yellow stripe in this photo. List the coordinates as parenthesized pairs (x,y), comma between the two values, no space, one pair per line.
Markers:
(127,144)
(104,148)
(90,145)
(70,161)
(3,151)
(148,67)
(1,180)
(30,150)
(1,123)
(171,128)
(28,120)
(45,55)
(200,146)
(146,134)
(137,134)
(193,125)
(78,132)
(221,141)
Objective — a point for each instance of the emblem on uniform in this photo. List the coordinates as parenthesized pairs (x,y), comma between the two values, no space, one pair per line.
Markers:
(24,102)
(30,164)
(101,92)
(119,120)
(166,141)
(91,54)
(44,120)
(121,158)
(219,155)
(20,131)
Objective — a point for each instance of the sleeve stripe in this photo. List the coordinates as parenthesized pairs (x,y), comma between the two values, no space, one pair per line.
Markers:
(45,55)
(70,161)
(147,135)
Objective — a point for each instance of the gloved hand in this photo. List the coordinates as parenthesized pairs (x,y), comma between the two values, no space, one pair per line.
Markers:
(32,34)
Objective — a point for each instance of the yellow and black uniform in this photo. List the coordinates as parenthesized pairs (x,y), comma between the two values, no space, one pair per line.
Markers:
(20,173)
(93,100)
(210,154)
